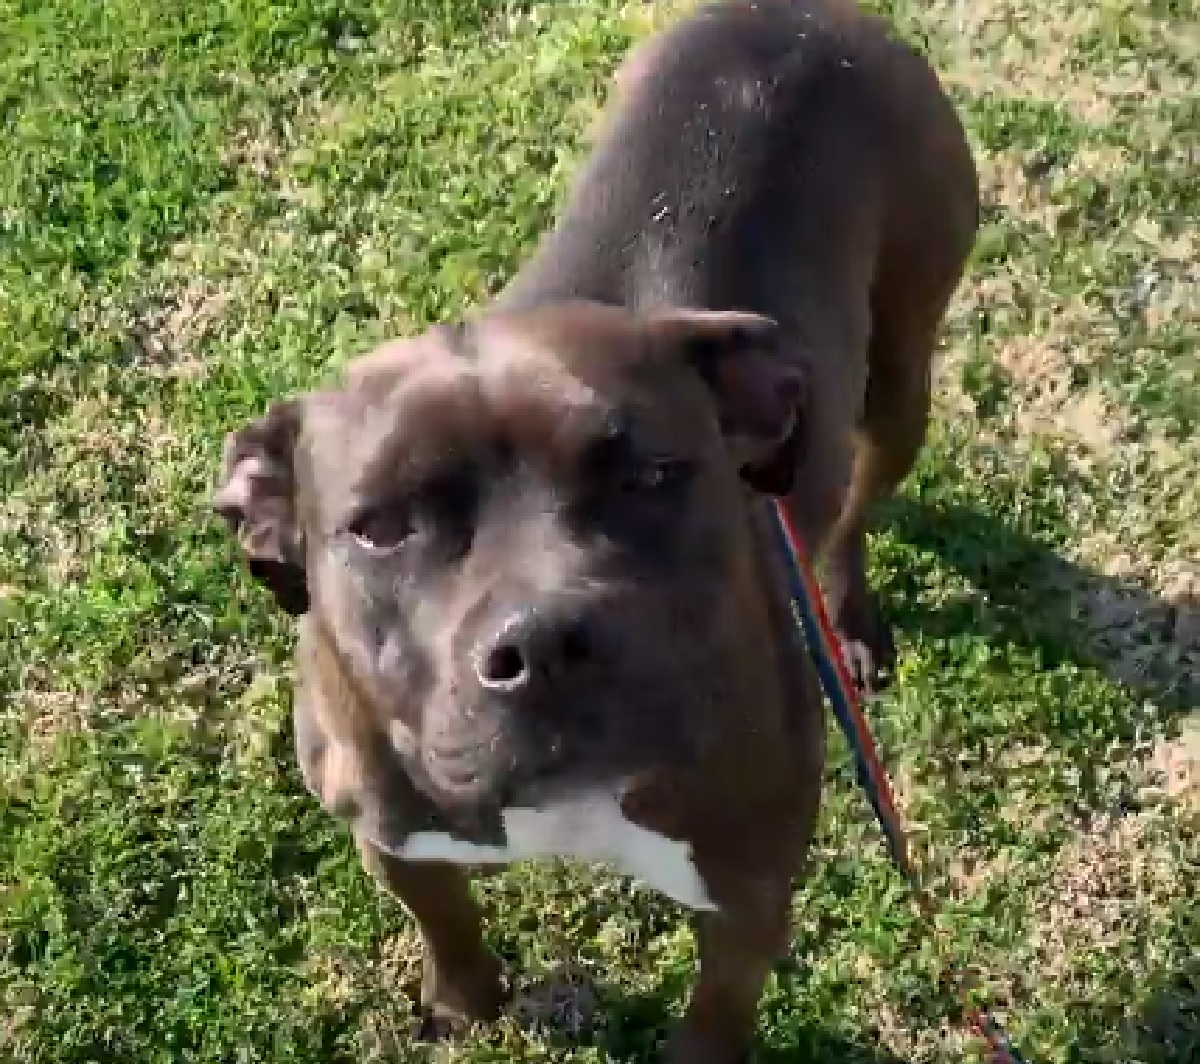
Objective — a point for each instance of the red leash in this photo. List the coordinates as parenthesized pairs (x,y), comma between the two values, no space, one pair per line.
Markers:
(843,695)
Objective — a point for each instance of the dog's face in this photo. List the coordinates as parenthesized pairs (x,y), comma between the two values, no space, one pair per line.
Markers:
(525,538)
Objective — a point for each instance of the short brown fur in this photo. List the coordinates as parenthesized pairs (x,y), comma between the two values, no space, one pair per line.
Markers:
(740,299)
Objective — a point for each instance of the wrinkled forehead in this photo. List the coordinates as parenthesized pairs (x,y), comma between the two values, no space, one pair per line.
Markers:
(540,392)
(552,382)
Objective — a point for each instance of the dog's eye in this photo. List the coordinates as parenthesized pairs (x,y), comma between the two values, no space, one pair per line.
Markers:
(382,530)
(657,474)
(615,461)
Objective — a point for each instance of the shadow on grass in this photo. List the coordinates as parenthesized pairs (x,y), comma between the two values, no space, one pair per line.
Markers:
(1155,1023)
(1163,1027)
(807,1044)
(1167,1027)
(1035,598)
(820,1048)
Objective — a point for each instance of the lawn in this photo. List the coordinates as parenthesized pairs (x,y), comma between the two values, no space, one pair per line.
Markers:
(205,204)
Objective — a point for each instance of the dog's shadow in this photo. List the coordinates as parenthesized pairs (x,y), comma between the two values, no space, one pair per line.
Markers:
(1155,1022)
(1167,1026)
(1031,596)
(571,1013)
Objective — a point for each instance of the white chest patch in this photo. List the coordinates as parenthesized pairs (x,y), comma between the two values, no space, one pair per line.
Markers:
(587,829)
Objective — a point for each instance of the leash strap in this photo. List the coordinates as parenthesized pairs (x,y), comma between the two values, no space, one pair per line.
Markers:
(843,695)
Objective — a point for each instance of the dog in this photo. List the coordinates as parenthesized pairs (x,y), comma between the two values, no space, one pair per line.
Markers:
(540,608)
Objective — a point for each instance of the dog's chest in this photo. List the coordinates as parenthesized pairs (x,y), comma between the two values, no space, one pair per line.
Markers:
(591,829)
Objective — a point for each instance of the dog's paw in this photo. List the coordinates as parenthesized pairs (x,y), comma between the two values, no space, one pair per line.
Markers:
(686,1048)
(867,646)
(433,1026)
(455,999)
(870,679)
(439,1023)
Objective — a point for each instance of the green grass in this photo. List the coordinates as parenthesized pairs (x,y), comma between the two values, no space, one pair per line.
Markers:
(204,205)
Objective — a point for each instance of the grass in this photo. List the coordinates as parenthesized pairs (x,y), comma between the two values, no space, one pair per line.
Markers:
(203,205)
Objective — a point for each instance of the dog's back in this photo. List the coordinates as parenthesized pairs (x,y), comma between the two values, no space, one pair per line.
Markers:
(791,158)
(761,155)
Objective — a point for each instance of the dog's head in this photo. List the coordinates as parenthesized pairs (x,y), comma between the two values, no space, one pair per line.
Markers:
(525,538)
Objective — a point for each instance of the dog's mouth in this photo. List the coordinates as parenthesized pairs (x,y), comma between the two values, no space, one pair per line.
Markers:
(490,772)
(592,739)
(463,770)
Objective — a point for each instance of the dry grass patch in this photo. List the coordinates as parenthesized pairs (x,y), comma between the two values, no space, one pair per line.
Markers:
(1026,50)
(1041,370)
(1114,883)
(169,332)
(1177,762)
(49,714)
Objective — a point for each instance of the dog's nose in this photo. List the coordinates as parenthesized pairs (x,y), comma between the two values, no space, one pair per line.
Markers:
(532,648)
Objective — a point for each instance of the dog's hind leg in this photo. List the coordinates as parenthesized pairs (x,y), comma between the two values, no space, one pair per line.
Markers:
(888,439)
(913,285)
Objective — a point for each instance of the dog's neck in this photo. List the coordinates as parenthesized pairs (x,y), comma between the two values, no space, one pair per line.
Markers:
(636,230)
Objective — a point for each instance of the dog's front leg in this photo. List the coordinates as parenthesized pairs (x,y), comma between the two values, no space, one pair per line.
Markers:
(738,944)
(461,979)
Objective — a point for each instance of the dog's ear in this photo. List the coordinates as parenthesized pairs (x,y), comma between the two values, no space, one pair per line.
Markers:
(256,497)
(760,394)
